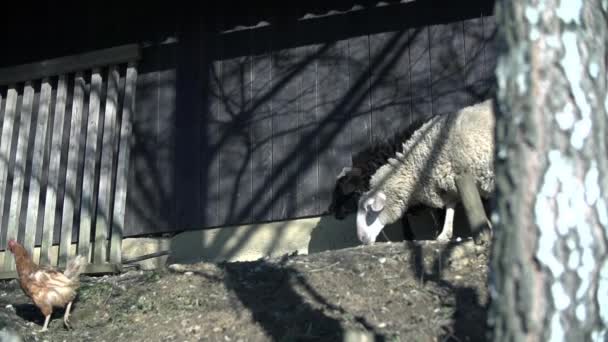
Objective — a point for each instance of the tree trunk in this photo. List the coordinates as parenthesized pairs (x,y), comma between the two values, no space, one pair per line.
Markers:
(549,269)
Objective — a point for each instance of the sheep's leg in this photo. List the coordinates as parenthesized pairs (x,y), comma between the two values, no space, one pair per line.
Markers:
(473,208)
(432,212)
(448,224)
(406,227)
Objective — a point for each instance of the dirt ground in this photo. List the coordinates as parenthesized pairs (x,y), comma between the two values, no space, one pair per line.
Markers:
(410,291)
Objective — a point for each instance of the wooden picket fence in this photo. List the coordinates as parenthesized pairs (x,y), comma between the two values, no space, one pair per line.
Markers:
(78,109)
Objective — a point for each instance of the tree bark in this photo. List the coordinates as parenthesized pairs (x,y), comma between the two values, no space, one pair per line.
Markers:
(549,269)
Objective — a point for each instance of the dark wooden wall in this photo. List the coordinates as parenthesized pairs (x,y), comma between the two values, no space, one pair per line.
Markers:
(247,111)
(254,125)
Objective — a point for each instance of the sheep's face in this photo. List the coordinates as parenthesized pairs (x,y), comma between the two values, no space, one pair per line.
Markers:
(368,216)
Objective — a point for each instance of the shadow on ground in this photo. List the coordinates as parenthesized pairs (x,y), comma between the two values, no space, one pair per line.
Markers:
(285,304)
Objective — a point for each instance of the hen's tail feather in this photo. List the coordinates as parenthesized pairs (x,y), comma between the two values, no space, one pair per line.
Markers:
(75,267)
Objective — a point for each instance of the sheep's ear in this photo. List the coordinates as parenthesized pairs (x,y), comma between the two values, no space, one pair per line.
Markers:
(379,201)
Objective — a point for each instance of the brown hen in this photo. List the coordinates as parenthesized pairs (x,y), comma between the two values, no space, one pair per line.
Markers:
(47,287)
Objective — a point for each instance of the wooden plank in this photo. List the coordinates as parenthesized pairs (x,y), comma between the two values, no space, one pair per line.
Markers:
(188,123)
(88,198)
(244,182)
(8,275)
(165,141)
(99,269)
(210,159)
(68,64)
(2,106)
(75,145)
(420,74)
(102,223)
(307,191)
(19,170)
(447,68)
(285,132)
(144,202)
(261,129)
(474,44)
(360,71)
(235,155)
(391,94)
(334,108)
(122,167)
(50,204)
(37,170)
(490,52)
(10,113)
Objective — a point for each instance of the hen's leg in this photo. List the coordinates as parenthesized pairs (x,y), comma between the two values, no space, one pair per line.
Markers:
(446,232)
(66,316)
(46,323)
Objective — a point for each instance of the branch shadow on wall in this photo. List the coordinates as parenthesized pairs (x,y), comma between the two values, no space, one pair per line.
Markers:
(230,168)
(275,294)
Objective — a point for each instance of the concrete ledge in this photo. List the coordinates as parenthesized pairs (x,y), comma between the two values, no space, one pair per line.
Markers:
(255,241)
(251,242)
(131,249)
(242,243)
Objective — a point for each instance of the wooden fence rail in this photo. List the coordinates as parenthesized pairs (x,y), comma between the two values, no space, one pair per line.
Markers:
(79,111)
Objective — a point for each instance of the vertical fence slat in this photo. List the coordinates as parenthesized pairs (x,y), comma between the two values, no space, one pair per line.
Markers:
(19,170)
(69,198)
(122,172)
(102,223)
(10,111)
(37,159)
(87,206)
(50,203)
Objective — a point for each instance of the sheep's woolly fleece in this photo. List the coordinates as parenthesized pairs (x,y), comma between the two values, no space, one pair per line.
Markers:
(354,181)
(436,153)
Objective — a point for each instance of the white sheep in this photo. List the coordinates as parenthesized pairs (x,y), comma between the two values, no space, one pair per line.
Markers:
(425,172)
(353,181)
